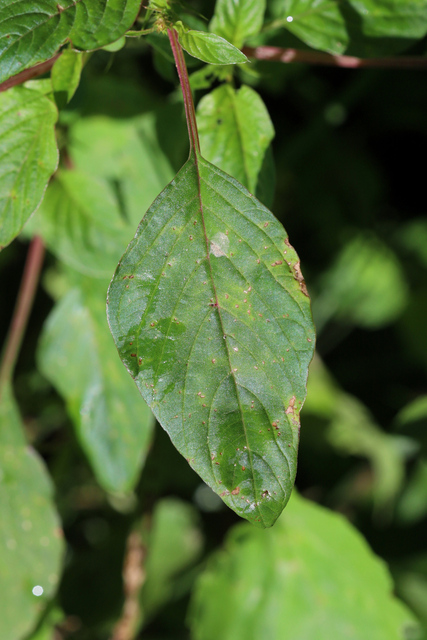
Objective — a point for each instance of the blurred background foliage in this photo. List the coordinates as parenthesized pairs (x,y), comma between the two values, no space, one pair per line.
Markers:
(349,187)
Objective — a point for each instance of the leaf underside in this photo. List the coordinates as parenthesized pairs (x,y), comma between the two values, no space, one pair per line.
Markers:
(211,317)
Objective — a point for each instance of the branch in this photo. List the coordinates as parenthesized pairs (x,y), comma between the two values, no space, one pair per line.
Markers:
(30,73)
(133,580)
(29,282)
(349,62)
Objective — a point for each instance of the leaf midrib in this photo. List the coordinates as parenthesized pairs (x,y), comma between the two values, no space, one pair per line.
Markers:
(199,179)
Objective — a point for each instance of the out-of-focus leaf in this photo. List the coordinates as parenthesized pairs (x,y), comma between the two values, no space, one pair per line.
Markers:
(311,576)
(412,420)
(28,153)
(365,286)
(30,536)
(412,504)
(174,542)
(46,631)
(210,314)
(318,23)
(237,20)
(77,355)
(81,223)
(235,131)
(392,18)
(353,431)
(66,76)
(127,153)
(208,47)
(413,236)
(31,32)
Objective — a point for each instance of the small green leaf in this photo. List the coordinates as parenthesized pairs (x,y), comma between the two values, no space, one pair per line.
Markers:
(318,23)
(364,286)
(31,545)
(235,131)
(236,21)
(210,295)
(115,46)
(392,18)
(29,156)
(312,576)
(77,355)
(208,47)
(31,32)
(66,76)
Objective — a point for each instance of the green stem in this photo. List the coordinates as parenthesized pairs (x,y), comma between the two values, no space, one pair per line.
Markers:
(24,302)
(190,112)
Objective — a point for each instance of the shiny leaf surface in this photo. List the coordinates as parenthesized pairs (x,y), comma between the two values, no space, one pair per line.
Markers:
(31,32)
(392,18)
(31,547)
(312,576)
(28,153)
(235,131)
(211,317)
(77,355)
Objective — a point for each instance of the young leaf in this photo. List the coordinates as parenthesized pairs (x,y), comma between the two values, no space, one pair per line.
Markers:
(211,317)
(312,576)
(320,24)
(31,32)
(31,546)
(235,131)
(77,355)
(29,156)
(66,76)
(208,47)
(238,20)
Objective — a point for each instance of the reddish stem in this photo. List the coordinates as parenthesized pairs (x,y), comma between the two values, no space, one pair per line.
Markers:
(30,73)
(21,313)
(317,57)
(190,112)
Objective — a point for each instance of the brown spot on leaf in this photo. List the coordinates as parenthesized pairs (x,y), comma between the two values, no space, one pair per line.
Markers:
(291,407)
(298,276)
(235,491)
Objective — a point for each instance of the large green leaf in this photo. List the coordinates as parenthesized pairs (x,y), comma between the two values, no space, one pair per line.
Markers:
(318,23)
(237,20)
(28,154)
(125,152)
(208,47)
(80,221)
(235,131)
(312,576)
(99,22)
(77,355)
(30,536)
(392,18)
(31,31)
(211,317)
